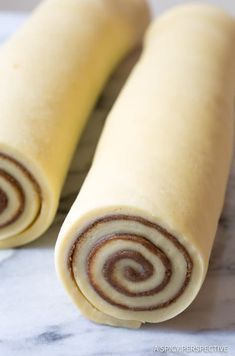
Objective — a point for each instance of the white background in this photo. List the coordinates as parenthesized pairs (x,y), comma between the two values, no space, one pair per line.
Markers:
(158,5)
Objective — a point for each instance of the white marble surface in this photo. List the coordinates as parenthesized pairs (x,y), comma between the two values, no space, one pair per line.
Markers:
(36,316)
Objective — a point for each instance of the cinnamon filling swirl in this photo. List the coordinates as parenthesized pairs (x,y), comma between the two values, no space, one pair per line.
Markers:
(130,263)
(20,197)
(3,200)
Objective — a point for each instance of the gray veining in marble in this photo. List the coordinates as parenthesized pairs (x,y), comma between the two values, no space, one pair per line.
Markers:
(36,316)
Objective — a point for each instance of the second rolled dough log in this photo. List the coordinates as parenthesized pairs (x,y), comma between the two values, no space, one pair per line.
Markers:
(136,244)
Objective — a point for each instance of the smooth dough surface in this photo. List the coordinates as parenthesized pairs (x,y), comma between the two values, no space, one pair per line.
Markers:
(51,73)
(136,244)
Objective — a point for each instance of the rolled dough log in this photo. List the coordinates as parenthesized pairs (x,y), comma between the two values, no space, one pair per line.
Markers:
(51,73)
(136,244)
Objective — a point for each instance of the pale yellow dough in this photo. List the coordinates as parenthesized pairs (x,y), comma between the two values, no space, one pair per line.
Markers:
(51,73)
(158,178)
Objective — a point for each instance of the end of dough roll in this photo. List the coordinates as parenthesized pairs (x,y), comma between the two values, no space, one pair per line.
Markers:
(136,244)
(51,73)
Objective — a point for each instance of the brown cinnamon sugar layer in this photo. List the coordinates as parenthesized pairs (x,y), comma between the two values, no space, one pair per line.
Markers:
(3,200)
(20,194)
(16,185)
(130,274)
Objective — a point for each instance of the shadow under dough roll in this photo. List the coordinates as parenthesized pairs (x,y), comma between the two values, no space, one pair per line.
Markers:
(51,73)
(135,246)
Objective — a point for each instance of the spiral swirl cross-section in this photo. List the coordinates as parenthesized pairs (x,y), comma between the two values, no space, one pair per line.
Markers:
(20,198)
(129,263)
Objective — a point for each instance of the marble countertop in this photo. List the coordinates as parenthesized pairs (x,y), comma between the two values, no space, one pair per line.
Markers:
(37,317)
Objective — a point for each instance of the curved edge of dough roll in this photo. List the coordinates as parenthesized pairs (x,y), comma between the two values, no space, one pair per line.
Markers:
(51,73)
(136,243)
